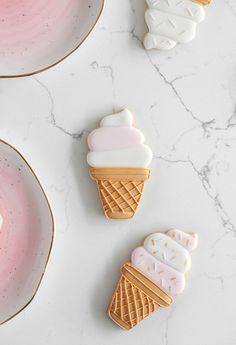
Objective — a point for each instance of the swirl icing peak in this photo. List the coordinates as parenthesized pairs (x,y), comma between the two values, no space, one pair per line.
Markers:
(117,144)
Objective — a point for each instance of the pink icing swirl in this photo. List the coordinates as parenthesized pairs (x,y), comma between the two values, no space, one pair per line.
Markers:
(165,276)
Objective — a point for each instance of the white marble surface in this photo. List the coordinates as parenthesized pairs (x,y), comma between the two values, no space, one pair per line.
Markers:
(185,103)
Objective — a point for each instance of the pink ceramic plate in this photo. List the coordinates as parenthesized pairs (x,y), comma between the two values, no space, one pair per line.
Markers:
(37,34)
(26,232)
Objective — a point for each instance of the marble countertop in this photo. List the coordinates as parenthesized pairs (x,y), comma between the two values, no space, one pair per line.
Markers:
(185,103)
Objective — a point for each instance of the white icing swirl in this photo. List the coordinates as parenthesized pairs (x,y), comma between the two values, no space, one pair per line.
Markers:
(117,144)
(171,22)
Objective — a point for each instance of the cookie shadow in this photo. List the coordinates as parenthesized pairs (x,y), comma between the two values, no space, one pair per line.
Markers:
(109,278)
(103,292)
(86,187)
(138,9)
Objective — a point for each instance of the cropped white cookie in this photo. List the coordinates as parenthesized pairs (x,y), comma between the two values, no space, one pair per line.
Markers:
(171,22)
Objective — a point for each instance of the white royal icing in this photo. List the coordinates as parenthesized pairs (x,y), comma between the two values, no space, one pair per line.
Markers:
(185,8)
(123,118)
(168,251)
(188,240)
(170,22)
(117,144)
(138,156)
(158,42)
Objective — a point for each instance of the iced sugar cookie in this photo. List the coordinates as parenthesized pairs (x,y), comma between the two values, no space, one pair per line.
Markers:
(119,160)
(172,21)
(147,283)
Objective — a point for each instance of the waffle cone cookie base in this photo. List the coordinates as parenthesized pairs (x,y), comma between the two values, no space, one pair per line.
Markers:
(120,190)
(135,298)
(203,2)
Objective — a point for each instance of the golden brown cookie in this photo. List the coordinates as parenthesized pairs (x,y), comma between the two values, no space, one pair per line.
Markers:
(203,2)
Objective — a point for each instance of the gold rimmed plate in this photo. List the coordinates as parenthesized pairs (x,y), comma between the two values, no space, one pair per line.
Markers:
(36,35)
(26,232)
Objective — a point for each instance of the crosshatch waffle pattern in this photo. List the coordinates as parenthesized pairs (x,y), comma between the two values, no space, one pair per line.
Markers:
(120,196)
(136,297)
(120,190)
(131,305)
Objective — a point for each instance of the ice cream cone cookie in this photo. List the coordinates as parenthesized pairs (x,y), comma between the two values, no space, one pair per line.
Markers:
(172,21)
(150,281)
(119,162)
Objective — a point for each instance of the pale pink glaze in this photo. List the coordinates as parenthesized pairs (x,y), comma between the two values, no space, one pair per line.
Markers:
(114,138)
(169,279)
(25,23)
(188,241)
(18,235)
